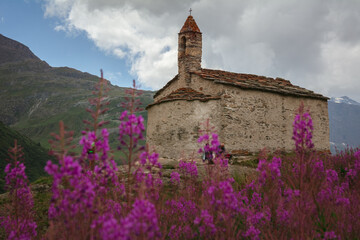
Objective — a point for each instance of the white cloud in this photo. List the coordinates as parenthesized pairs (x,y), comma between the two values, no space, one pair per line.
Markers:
(313,43)
(125,32)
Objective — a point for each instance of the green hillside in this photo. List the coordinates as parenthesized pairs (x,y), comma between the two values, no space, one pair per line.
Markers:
(33,102)
(35,156)
(34,96)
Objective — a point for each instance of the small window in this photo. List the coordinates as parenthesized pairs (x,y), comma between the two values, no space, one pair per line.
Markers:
(182,46)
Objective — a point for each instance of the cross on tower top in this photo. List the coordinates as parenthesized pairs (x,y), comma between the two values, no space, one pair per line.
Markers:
(190,11)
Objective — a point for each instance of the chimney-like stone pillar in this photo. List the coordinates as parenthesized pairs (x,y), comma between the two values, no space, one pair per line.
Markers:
(189,50)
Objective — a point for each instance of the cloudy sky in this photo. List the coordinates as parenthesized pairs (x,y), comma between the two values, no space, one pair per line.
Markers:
(313,43)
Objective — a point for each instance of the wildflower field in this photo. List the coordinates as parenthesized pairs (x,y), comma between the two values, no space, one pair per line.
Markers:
(306,195)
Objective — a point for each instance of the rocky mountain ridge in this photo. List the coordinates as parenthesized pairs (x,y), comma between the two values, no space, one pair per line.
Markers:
(344,115)
(345,100)
(13,51)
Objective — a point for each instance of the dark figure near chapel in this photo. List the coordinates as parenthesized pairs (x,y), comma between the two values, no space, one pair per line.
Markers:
(208,154)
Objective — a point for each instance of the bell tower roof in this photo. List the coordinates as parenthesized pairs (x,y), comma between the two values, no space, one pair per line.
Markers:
(190,26)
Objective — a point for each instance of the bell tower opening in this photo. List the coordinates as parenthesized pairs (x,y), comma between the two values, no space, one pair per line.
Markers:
(182,46)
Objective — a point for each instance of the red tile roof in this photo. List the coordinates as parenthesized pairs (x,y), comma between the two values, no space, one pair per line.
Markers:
(250,81)
(190,25)
(187,94)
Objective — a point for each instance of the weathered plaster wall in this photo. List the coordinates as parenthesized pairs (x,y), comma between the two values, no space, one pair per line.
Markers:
(319,114)
(253,120)
(173,127)
(247,120)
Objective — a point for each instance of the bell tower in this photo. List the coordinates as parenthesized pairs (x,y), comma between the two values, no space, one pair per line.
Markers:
(189,49)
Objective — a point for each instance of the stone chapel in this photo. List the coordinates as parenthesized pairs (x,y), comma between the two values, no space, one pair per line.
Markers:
(249,112)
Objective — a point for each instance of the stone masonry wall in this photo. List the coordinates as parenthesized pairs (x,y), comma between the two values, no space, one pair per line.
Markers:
(173,127)
(189,54)
(246,120)
(252,120)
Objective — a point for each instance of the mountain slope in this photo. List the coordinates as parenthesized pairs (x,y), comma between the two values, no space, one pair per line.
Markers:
(345,100)
(34,96)
(344,115)
(35,156)
(13,51)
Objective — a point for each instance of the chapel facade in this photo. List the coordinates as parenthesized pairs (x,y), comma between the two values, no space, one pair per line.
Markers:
(249,112)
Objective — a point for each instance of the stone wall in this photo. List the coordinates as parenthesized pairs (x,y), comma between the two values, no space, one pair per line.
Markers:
(173,127)
(247,120)
(189,54)
(252,120)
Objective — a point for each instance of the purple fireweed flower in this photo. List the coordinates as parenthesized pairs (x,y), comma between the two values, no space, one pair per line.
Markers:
(215,142)
(302,131)
(139,175)
(256,200)
(206,223)
(144,174)
(151,160)
(222,162)
(318,169)
(212,143)
(274,167)
(149,180)
(77,195)
(131,126)
(351,173)
(262,170)
(331,176)
(357,154)
(175,177)
(141,221)
(203,138)
(357,162)
(106,178)
(184,210)
(342,201)
(255,218)
(188,168)
(269,169)
(252,233)
(20,223)
(143,158)
(15,176)
(18,228)
(110,228)
(289,194)
(222,197)
(283,215)
(89,142)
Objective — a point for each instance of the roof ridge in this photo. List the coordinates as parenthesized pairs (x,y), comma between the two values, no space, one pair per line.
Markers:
(185,93)
(256,82)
